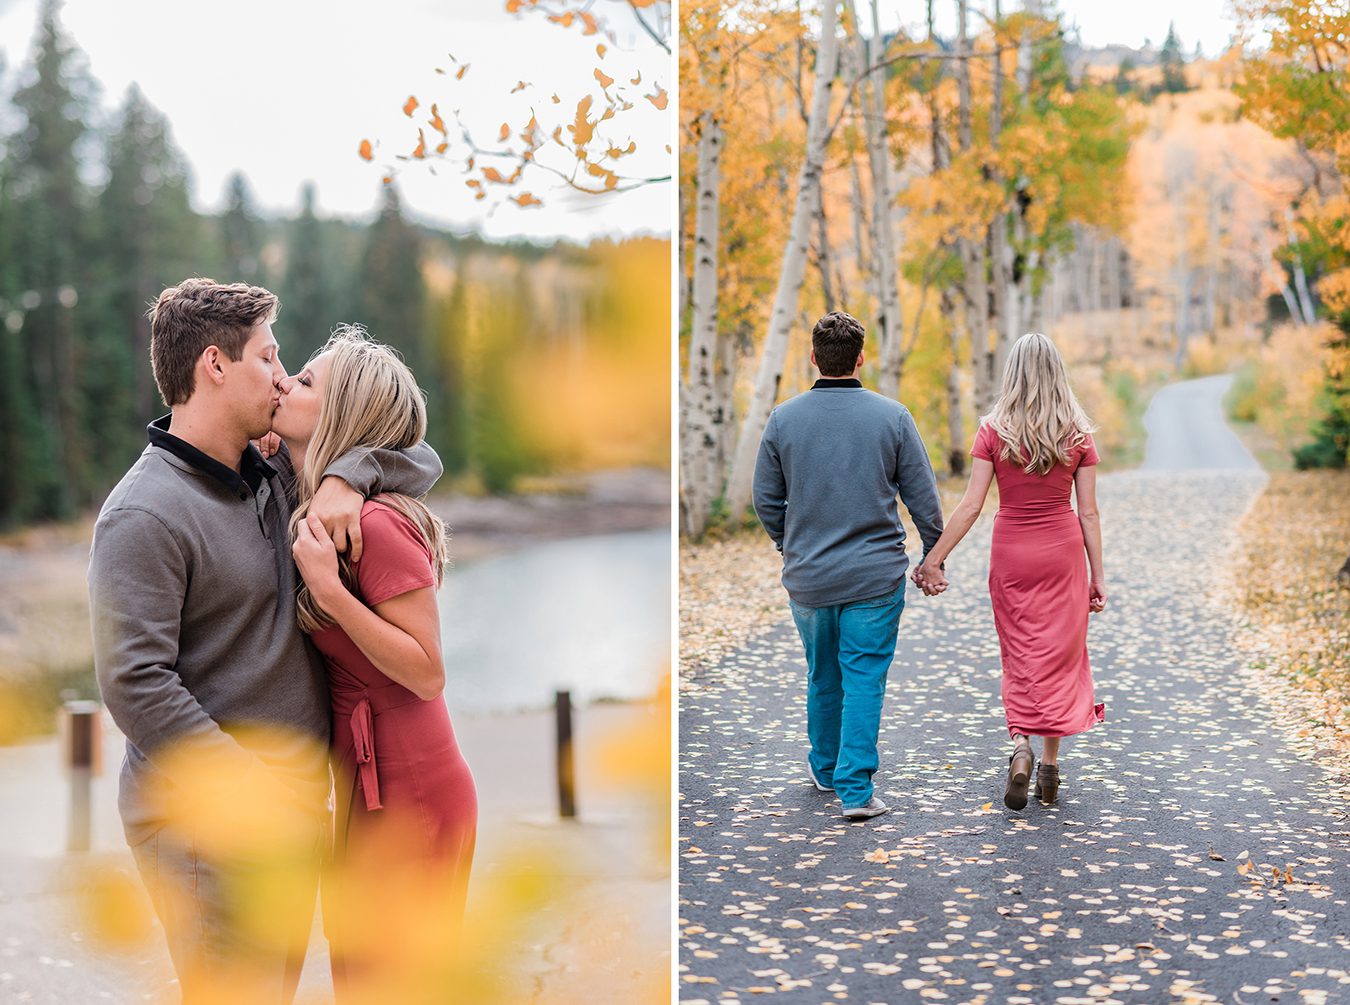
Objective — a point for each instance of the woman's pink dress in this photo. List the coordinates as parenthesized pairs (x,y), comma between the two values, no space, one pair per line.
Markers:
(407,809)
(1038,582)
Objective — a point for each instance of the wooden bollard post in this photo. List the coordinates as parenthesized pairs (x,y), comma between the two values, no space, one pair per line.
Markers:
(82,749)
(562,707)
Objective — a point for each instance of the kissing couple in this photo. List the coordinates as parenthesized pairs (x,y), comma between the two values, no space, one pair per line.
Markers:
(267,637)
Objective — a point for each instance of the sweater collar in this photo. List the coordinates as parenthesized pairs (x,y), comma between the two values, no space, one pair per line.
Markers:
(252,468)
(836,382)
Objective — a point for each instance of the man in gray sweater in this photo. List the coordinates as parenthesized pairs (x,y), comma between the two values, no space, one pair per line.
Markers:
(224,702)
(830,464)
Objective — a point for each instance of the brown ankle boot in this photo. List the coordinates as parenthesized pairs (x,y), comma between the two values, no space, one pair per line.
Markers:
(1047,782)
(1019,773)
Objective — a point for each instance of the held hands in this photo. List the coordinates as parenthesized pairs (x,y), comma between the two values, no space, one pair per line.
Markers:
(338,507)
(1096,596)
(930,579)
(316,558)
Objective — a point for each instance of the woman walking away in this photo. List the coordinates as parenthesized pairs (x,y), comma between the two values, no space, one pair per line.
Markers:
(1037,441)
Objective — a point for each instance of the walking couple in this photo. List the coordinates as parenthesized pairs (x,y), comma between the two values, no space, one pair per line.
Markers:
(237,680)
(830,465)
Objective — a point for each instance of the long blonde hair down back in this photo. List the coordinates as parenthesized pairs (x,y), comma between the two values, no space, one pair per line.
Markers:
(370,400)
(1036,415)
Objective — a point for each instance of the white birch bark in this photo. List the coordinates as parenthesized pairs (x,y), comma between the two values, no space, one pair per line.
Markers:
(704,423)
(791,273)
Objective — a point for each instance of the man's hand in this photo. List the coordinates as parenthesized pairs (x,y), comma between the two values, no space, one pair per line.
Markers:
(932,581)
(338,507)
(316,558)
(268,444)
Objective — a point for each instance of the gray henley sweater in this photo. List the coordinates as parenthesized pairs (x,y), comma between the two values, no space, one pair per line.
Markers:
(830,464)
(192,594)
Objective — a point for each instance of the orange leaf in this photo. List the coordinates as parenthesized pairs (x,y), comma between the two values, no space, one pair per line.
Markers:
(513,6)
(492,174)
(589,22)
(410,106)
(611,181)
(525,199)
(504,133)
(441,148)
(637,80)
(604,81)
(557,100)
(601,49)
(607,114)
(421,150)
(582,128)
(658,99)
(387,180)
(462,70)
(596,169)
(474,183)
(563,19)
(519,87)
(367,152)
(437,123)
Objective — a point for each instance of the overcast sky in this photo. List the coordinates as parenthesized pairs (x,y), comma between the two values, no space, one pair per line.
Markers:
(285,90)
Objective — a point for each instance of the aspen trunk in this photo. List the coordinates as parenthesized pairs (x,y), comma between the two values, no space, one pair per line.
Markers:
(704,423)
(791,273)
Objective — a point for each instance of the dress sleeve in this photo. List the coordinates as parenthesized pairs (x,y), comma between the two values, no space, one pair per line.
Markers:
(984,444)
(1089,452)
(394,558)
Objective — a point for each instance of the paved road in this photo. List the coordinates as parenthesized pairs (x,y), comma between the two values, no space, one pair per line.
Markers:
(1187,431)
(1153,879)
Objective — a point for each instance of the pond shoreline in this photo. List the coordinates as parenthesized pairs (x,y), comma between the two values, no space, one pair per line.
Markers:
(44,615)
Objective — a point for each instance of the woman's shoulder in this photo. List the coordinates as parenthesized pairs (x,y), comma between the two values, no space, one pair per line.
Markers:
(381,522)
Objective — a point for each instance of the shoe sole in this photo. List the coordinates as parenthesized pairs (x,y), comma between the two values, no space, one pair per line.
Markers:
(1015,796)
(862,813)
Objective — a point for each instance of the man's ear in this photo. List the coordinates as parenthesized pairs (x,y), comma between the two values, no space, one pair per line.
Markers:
(211,364)
(813,359)
(858,365)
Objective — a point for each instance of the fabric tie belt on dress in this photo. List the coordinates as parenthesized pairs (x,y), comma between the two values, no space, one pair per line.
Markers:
(363,734)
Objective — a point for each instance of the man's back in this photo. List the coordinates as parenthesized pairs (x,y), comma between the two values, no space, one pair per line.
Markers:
(831,463)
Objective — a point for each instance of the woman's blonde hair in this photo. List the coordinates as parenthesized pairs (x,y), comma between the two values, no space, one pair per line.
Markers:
(1037,416)
(371,400)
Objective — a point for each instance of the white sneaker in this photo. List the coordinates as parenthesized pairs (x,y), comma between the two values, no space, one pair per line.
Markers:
(816,781)
(874,808)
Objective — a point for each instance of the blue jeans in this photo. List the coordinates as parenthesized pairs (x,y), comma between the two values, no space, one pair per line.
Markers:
(849,649)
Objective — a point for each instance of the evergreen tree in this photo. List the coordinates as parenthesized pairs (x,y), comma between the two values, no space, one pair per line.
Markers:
(447,393)
(307,293)
(48,206)
(1173,63)
(149,236)
(393,301)
(1122,82)
(241,235)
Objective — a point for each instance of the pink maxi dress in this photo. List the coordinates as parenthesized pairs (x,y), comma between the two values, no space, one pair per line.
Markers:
(407,808)
(1038,582)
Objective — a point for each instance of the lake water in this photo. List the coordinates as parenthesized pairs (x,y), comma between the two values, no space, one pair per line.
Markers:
(590,614)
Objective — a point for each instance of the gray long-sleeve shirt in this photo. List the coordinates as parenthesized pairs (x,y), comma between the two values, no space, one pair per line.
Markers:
(830,464)
(192,594)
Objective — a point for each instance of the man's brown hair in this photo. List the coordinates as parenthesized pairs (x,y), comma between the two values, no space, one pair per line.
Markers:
(837,339)
(195,314)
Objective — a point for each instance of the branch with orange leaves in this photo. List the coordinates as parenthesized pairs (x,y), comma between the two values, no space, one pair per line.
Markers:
(595,154)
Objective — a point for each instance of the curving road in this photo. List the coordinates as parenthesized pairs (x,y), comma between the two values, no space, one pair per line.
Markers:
(1187,431)
(1193,856)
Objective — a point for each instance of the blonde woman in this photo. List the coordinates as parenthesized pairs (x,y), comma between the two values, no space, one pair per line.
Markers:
(406,802)
(1037,441)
